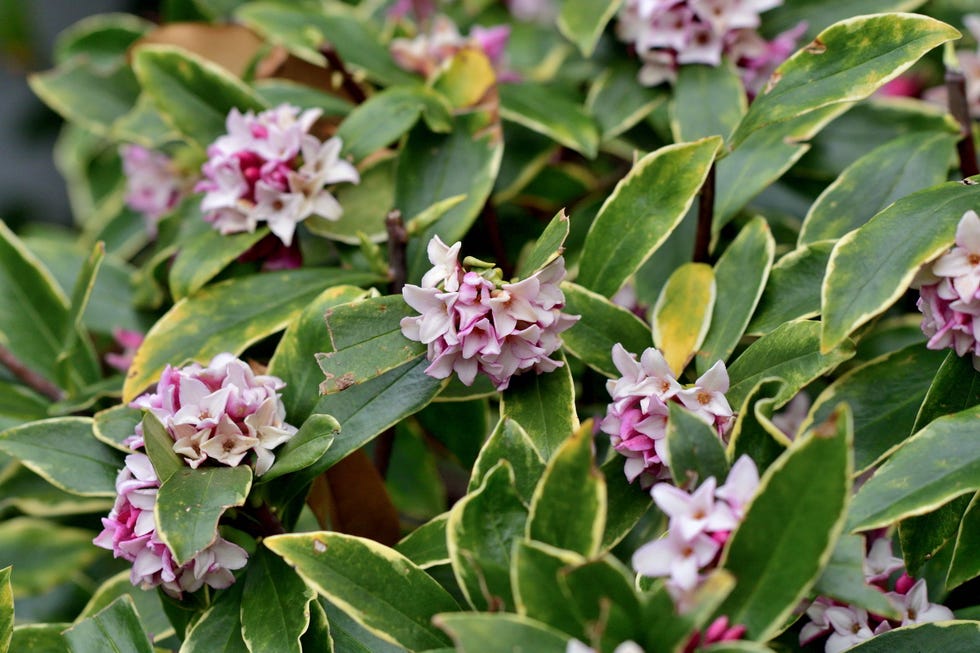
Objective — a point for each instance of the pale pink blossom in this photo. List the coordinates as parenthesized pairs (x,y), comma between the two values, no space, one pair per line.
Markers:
(129,341)
(153,184)
(879,563)
(676,557)
(916,608)
(629,646)
(717,631)
(429,51)
(533,11)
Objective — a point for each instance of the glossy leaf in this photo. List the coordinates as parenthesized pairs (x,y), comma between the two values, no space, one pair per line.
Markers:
(426,546)
(696,451)
(366,205)
(948,636)
(582,22)
(275,605)
(219,629)
(535,572)
(386,116)
(708,101)
(884,395)
(306,447)
(43,554)
(550,112)
(791,352)
(788,533)
(885,174)
(549,245)
(966,556)
(205,253)
(19,405)
(544,404)
(955,387)
(193,94)
(190,502)
(64,452)
(377,586)
(740,277)
(568,509)
(82,92)
(754,434)
(481,531)
(500,633)
(117,626)
(152,618)
(278,91)
(6,610)
(846,62)
(602,325)
(603,595)
(843,579)
(793,290)
(252,308)
(44,638)
(626,503)
(103,39)
(159,446)
(924,536)
(618,103)
(682,313)
(820,14)
(646,206)
(509,442)
(939,463)
(366,341)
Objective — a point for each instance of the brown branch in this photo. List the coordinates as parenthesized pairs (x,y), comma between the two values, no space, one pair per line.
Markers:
(706,210)
(347,81)
(397,256)
(960,109)
(29,377)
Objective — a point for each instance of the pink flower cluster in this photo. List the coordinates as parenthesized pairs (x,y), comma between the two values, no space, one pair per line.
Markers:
(220,412)
(718,631)
(845,625)
(700,523)
(429,51)
(636,420)
(153,185)
(130,533)
(269,168)
(474,322)
(969,62)
(949,293)
(670,33)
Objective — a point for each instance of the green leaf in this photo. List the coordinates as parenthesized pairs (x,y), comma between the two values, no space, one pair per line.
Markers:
(843,579)
(500,633)
(319,636)
(618,103)
(547,110)
(872,266)
(147,602)
(626,503)
(696,451)
(754,434)
(535,572)
(306,447)
(219,629)
(602,325)
(43,553)
(113,425)
(26,492)
(205,252)
(275,605)
(646,206)
(509,442)
(544,404)
(790,352)
(366,340)
(252,307)
(64,452)
(924,536)
(103,39)
(426,546)
(939,463)
(885,174)
(603,596)
(568,509)
(117,626)
(19,405)
(789,530)
(549,245)
(193,94)
(708,101)
(682,313)
(481,530)
(386,116)
(43,638)
(83,93)
(375,585)
(366,205)
(820,14)
(948,636)
(955,387)
(671,630)
(434,167)
(884,396)
(77,366)
(740,276)
(6,610)
(582,22)
(160,448)
(282,91)
(793,290)
(846,62)
(966,556)
(33,311)
(190,502)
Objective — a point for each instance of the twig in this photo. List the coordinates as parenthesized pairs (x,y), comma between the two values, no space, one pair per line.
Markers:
(347,81)
(397,257)
(960,109)
(29,377)
(706,210)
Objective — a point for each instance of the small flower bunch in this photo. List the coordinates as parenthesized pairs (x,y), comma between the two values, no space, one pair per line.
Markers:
(636,420)
(700,523)
(130,532)
(220,413)
(153,184)
(269,168)
(669,33)
(845,625)
(718,631)
(429,51)
(949,293)
(473,321)
(129,342)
